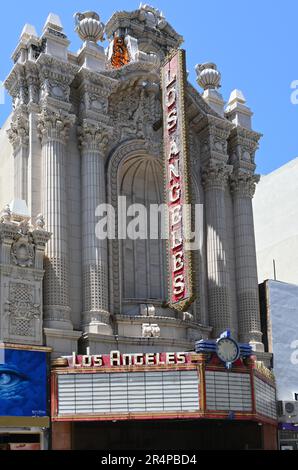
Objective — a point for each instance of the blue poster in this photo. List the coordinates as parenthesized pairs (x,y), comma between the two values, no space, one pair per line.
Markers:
(23,383)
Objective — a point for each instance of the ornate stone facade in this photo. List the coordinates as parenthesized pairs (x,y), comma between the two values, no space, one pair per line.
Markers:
(22,249)
(84,133)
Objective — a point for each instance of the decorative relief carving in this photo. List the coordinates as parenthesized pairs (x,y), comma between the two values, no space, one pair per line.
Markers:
(243,183)
(213,139)
(215,175)
(55,124)
(18,133)
(150,330)
(17,86)
(148,26)
(55,78)
(94,136)
(22,252)
(243,144)
(33,83)
(22,310)
(135,111)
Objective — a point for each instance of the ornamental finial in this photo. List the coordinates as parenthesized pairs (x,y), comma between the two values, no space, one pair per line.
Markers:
(89,27)
(208,77)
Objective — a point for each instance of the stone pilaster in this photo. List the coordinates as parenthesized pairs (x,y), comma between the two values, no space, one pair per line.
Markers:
(242,146)
(94,138)
(18,135)
(53,128)
(21,272)
(214,179)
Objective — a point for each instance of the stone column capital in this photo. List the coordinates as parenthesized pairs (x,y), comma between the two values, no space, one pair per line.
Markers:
(55,125)
(243,183)
(215,175)
(94,136)
(18,133)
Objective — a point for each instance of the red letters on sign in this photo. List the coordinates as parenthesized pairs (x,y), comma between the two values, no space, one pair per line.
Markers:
(174,131)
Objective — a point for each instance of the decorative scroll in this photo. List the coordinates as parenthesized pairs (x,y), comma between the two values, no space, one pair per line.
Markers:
(176,180)
(120,54)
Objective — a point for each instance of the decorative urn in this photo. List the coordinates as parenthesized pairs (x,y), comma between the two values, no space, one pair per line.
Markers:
(89,27)
(208,77)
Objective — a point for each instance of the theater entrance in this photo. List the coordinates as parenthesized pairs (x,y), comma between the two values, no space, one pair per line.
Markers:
(165,435)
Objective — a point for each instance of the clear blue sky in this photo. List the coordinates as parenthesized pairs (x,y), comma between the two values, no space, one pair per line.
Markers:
(253,42)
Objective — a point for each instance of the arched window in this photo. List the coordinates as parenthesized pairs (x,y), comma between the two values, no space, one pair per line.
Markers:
(142,260)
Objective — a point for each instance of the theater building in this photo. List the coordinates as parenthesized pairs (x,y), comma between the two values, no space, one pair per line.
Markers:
(122,125)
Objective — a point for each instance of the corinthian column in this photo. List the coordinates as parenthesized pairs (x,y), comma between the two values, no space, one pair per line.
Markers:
(18,135)
(243,188)
(214,179)
(54,127)
(96,317)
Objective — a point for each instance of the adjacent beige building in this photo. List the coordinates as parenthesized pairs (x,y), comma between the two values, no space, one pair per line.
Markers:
(276,224)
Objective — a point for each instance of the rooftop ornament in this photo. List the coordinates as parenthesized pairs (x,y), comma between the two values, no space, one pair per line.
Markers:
(89,27)
(208,77)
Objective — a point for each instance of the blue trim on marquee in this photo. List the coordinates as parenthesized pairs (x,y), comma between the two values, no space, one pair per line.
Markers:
(209,345)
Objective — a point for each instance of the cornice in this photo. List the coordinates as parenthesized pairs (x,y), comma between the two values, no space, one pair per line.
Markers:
(56,67)
(16,75)
(105,83)
(125,19)
(140,69)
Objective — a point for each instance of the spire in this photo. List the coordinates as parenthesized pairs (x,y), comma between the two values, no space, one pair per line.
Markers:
(27,33)
(237,111)
(56,41)
(53,22)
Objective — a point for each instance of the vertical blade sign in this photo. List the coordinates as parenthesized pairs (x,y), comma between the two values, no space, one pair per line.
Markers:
(176,180)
